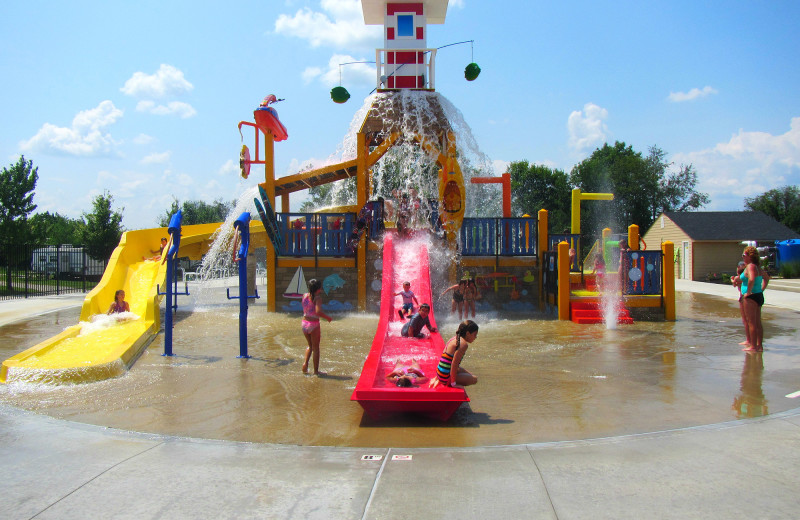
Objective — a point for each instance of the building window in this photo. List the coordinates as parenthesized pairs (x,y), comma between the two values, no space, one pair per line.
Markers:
(405,25)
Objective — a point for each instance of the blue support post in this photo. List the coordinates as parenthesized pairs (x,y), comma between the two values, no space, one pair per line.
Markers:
(242,227)
(174,230)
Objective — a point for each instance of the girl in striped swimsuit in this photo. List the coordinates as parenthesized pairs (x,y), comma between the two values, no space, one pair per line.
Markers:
(449,372)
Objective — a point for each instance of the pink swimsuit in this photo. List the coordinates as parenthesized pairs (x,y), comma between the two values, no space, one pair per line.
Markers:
(309,311)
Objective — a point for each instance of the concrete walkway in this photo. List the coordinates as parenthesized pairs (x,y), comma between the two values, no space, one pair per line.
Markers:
(738,469)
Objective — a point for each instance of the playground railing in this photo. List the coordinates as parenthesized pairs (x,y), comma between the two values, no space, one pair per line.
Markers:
(315,234)
(550,275)
(499,237)
(574,241)
(642,272)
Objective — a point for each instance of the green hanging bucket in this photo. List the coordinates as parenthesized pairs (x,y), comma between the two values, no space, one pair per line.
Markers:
(339,95)
(472,71)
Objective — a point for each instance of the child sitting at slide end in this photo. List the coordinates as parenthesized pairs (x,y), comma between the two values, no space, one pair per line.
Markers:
(408,376)
(413,327)
(408,300)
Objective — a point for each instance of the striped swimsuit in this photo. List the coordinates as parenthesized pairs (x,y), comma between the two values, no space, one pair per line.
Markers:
(445,363)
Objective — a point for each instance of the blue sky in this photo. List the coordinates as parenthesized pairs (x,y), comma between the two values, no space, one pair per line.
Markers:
(143,99)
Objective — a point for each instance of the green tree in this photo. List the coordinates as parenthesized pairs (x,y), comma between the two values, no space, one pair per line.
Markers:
(55,229)
(676,190)
(782,204)
(642,187)
(16,200)
(318,196)
(102,228)
(536,187)
(198,212)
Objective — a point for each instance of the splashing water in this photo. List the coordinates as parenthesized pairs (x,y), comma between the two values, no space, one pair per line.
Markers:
(407,165)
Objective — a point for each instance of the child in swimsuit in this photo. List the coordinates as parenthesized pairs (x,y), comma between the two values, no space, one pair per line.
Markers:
(458,296)
(449,371)
(119,304)
(470,295)
(408,300)
(408,376)
(312,312)
(413,328)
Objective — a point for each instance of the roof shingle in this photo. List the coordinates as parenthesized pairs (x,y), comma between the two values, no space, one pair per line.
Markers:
(730,225)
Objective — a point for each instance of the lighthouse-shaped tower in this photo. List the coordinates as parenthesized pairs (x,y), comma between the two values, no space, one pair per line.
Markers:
(405,62)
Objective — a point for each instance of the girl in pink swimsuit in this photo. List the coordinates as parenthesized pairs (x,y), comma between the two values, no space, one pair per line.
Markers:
(119,305)
(312,312)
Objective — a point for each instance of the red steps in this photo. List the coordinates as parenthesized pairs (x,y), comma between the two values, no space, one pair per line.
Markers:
(592,312)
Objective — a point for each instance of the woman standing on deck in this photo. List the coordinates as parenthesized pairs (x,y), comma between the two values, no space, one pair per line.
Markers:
(312,311)
(754,281)
(449,371)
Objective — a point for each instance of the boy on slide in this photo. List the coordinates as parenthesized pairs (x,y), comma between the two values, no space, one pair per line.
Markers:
(413,328)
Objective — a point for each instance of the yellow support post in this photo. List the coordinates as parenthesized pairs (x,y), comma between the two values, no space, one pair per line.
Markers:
(577,197)
(633,237)
(269,187)
(603,239)
(563,281)
(541,247)
(576,211)
(362,191)
(668,279)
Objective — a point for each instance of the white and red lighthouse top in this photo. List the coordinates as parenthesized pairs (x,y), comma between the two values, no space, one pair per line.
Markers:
(405,61)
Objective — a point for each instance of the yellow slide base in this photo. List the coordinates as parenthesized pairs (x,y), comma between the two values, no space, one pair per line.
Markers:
(102,353)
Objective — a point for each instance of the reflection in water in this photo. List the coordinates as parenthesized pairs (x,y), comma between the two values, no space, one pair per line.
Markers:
(751,402)
(541,379)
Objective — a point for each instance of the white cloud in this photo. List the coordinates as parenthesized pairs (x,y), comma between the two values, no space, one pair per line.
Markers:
(84,138)
(143,139)
(586,128)
(157,158)
(456,3)
(500,166)
(178,108)
(167,81)
(311,73)
(230,167)
(695,93)
(353,74)
(749,164)
(341,25)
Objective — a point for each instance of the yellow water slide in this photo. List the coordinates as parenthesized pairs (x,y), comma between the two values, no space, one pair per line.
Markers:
(76,357)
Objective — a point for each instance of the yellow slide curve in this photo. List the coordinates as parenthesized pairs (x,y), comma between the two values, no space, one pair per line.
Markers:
(71,357)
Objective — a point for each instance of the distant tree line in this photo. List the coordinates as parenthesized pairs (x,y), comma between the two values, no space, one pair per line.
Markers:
(99,230)
(643,188)
(782,204)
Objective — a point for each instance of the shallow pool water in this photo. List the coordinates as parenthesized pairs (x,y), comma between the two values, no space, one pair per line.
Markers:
(539,379)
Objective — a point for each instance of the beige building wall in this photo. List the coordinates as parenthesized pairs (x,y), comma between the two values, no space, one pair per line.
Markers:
(715,257)
(664,229)
(701,258)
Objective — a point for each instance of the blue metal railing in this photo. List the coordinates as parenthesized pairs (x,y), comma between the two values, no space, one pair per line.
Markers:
(315,234)
(574,242)
(499,236)
(550,274)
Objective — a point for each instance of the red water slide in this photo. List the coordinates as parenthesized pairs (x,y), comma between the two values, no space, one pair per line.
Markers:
(404,260)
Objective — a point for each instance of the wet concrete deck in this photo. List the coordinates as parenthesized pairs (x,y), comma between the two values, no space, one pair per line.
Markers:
(736,469)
